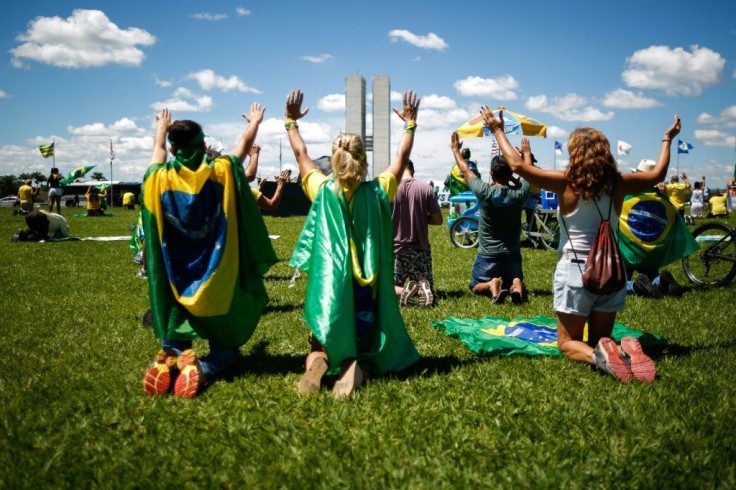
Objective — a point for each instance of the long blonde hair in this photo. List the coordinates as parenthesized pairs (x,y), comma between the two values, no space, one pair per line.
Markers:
(348,161)
(592,169)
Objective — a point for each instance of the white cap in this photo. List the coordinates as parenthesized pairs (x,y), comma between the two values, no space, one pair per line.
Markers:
(646,165)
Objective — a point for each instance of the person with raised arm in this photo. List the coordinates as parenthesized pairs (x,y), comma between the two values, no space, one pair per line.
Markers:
(346,247)
(588,188)
(206,250)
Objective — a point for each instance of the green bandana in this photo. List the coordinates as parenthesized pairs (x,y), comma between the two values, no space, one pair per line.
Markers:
(191,154)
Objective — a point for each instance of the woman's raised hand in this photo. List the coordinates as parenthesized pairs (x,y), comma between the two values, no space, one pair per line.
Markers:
(256,113)
(673,130)
(490,121)
(163,121)
(410,108)
(455,143)
(294,105)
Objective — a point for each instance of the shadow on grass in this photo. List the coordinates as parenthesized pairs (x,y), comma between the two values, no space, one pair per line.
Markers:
(457,293)
(667,349)
(281,308)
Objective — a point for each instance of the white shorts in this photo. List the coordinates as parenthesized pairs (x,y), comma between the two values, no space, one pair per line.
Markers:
(55,191)
(572,298)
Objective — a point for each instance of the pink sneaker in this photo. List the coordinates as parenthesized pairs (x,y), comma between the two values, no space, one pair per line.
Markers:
(641,365)
(607,358)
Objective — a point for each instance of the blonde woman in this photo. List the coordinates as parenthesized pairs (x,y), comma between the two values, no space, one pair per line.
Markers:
(589,187)
(347,248)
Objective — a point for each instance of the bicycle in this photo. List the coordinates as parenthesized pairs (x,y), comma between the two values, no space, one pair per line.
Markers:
(464,228)
(714,264)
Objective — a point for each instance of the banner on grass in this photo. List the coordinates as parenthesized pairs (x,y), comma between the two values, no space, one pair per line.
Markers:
(536,336)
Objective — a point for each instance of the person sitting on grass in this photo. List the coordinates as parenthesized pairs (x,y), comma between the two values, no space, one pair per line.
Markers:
(206,250)
(26,193)
(93,202)
(588,188)
(346,246)
(42,225)
(497,268)
(718,205)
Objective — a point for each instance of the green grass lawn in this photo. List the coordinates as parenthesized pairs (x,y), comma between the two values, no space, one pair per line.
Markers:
(73,353)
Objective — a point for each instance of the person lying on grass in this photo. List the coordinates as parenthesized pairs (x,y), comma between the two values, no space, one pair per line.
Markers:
(589,186)
(347,248)
(206,251)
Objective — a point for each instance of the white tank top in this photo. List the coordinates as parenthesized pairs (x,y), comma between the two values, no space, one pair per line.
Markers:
(582,224)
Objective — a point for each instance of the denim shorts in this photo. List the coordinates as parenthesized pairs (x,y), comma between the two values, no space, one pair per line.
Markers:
(571,297)
(486,268)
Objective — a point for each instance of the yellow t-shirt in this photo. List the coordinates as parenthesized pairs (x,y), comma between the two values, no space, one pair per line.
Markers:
(677,194)
(93,201)
(313,180)
(25,193)
(128,199)
(718,205)
(256,193)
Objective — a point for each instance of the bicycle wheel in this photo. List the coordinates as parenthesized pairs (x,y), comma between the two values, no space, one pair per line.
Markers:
(714,264)
(549,229)
(464,232)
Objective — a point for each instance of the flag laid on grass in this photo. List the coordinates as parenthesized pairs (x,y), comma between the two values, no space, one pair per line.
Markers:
(651,232)
(77,173)
(536,336)
(46,150)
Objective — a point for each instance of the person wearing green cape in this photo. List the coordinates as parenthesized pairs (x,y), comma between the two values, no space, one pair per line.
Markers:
(206,251)
(346,247)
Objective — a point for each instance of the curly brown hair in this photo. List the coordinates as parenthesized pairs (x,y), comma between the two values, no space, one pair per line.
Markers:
(592,169)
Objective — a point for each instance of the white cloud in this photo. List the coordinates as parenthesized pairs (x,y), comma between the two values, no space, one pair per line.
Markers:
(433,101)
(430,41)
(419,58)
(125,125)
(556,132)
(162,83)
(626,99)
(332,103)
(570,107)
(208,80)
(713,137)
(209,16)
(501,88)
(186,101)
(86,38)
(727,118)
(674,70)
(242,11)
(3,94)
(317,59)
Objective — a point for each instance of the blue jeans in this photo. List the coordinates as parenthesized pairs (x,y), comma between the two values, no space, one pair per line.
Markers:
(486,268)
(212,363)
(651,273)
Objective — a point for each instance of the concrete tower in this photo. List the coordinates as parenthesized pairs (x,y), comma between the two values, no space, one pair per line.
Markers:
(379,143)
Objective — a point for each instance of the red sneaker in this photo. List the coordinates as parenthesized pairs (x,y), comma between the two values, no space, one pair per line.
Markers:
(190,375)
(641,365)
(157,379)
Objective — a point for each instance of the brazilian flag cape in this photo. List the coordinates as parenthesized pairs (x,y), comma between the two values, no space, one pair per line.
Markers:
(136,241)
(340,250)
(651,232)
(206,248)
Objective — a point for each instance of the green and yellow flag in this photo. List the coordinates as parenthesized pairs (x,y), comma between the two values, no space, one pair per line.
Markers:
(651,232)
(76,174)
(47,150)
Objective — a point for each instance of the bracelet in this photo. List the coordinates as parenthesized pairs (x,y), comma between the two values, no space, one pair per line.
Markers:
(668,141)
(290,124)
(410,127)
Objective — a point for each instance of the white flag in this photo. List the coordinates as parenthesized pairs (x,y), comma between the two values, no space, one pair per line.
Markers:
(623,148)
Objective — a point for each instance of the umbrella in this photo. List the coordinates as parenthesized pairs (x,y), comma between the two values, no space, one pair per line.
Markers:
(512,122)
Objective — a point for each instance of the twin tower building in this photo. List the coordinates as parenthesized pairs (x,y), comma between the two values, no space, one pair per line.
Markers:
(378,143)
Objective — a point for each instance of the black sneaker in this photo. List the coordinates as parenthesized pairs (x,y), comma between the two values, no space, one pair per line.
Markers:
(408,294)
(669,285)
(643,287)
(424,293)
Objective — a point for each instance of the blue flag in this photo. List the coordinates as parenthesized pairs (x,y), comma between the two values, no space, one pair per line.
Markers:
(558,147)
(683,147)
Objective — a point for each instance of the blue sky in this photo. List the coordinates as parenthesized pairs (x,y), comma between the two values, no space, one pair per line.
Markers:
(83,74)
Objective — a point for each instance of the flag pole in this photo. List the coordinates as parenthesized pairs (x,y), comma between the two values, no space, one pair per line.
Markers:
(112,193)
(554,164)
(53,145)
